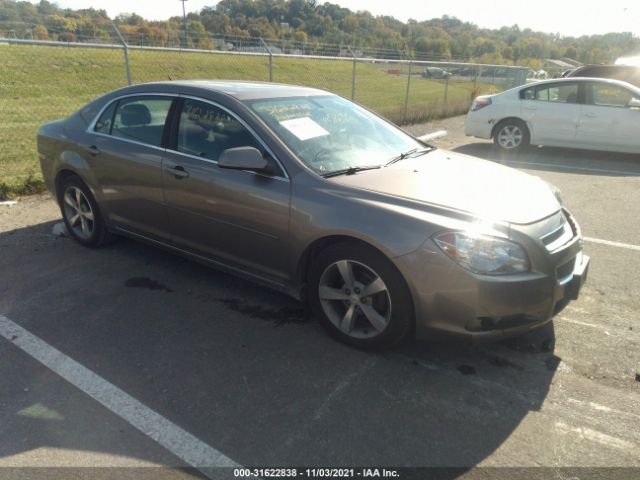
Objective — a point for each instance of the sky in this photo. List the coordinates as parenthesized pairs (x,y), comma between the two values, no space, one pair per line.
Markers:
(566,17)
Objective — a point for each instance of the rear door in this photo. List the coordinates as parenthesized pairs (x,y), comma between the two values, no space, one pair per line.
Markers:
(552,111)
(239,217)
(607,121)
(126,150)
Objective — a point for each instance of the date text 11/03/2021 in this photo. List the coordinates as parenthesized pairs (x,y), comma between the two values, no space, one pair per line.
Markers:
(316,472)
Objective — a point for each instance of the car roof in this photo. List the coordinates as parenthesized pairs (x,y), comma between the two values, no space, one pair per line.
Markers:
(611,81)
(241,90)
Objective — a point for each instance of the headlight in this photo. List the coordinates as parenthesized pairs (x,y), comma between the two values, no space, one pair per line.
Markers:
(483,254)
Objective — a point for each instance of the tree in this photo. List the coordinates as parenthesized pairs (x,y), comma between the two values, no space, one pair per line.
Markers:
(300,36)
(571,52)
(435,48)
(316,23)
(40,32)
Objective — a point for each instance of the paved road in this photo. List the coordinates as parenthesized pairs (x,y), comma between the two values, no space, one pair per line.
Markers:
(248,375)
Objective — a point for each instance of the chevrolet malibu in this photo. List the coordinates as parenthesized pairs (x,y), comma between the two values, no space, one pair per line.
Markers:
(305,192)
(589,113)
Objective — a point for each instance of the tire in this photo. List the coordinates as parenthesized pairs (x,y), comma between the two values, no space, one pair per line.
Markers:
(81,213)
(511,135)
(376,321)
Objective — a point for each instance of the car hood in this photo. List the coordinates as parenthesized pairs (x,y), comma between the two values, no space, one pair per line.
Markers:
(482,188)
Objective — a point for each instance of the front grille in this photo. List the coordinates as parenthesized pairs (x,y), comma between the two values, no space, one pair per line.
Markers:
(555,235)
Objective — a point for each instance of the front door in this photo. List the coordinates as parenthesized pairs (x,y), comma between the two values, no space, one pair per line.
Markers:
(607,121)
(239,217)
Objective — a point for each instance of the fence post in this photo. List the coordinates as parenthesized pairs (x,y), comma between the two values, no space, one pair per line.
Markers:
(406,94)
(446,88)
(475,78)
(125,48)
(353,73)
(264,44)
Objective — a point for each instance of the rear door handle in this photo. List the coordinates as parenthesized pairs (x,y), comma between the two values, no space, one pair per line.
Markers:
(93,150)
(178,172)
(590,115)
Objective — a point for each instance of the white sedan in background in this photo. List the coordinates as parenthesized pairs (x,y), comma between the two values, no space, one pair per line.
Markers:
(590,113)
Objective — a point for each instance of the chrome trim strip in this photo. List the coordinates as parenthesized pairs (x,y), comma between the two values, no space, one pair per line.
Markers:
(91,127)
(563,281)
(135,142)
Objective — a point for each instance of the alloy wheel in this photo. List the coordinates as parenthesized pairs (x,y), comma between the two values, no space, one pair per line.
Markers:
(510,136)
(78,212)
(355,299)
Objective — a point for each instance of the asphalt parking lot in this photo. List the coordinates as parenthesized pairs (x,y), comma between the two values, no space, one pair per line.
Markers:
(145,359)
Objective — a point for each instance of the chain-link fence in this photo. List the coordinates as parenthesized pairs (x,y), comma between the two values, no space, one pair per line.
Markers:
(45,80)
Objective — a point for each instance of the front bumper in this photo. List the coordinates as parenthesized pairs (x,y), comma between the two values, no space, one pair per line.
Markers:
(452,301)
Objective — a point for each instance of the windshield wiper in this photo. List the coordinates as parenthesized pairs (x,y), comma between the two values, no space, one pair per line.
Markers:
(351,170)
(414,152)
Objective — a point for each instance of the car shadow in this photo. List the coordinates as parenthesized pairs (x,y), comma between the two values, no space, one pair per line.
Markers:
(566,160)
(247,371)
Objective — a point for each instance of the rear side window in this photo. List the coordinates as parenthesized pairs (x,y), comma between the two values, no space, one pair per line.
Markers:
(558,93)
(141,119)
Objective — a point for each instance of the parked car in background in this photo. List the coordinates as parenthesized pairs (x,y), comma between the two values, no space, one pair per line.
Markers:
(625,73)
(588,113)
(435,72)
(541,74)
(308,193)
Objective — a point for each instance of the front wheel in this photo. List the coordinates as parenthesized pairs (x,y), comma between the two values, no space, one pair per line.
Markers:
(81,214)
(360,297)
(512,135)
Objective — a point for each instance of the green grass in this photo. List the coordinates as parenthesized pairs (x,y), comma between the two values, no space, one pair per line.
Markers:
(40,83)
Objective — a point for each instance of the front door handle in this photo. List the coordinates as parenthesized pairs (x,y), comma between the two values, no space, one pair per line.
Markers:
(93,150)
(590,115)
(178,172)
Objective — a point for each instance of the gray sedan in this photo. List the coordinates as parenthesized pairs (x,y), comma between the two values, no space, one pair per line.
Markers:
(305,192)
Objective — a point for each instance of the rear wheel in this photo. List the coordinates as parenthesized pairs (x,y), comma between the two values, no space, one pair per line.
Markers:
(360,297)
(511,134)
(81,214)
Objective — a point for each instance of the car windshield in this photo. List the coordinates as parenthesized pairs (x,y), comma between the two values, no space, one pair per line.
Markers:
(331,134)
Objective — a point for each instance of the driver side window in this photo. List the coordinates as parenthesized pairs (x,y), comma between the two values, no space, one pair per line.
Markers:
(606,95)
(206,131)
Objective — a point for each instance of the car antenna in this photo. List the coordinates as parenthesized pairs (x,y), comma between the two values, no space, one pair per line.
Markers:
(170,79)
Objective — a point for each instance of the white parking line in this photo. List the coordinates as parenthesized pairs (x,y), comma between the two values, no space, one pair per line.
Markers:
(178,441)
(596,436)
(612,244)
(569,167)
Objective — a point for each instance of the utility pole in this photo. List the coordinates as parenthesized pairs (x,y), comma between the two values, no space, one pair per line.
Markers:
(184,23)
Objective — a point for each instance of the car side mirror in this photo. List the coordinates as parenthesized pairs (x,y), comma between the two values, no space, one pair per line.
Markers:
(246,158)
(634,103)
